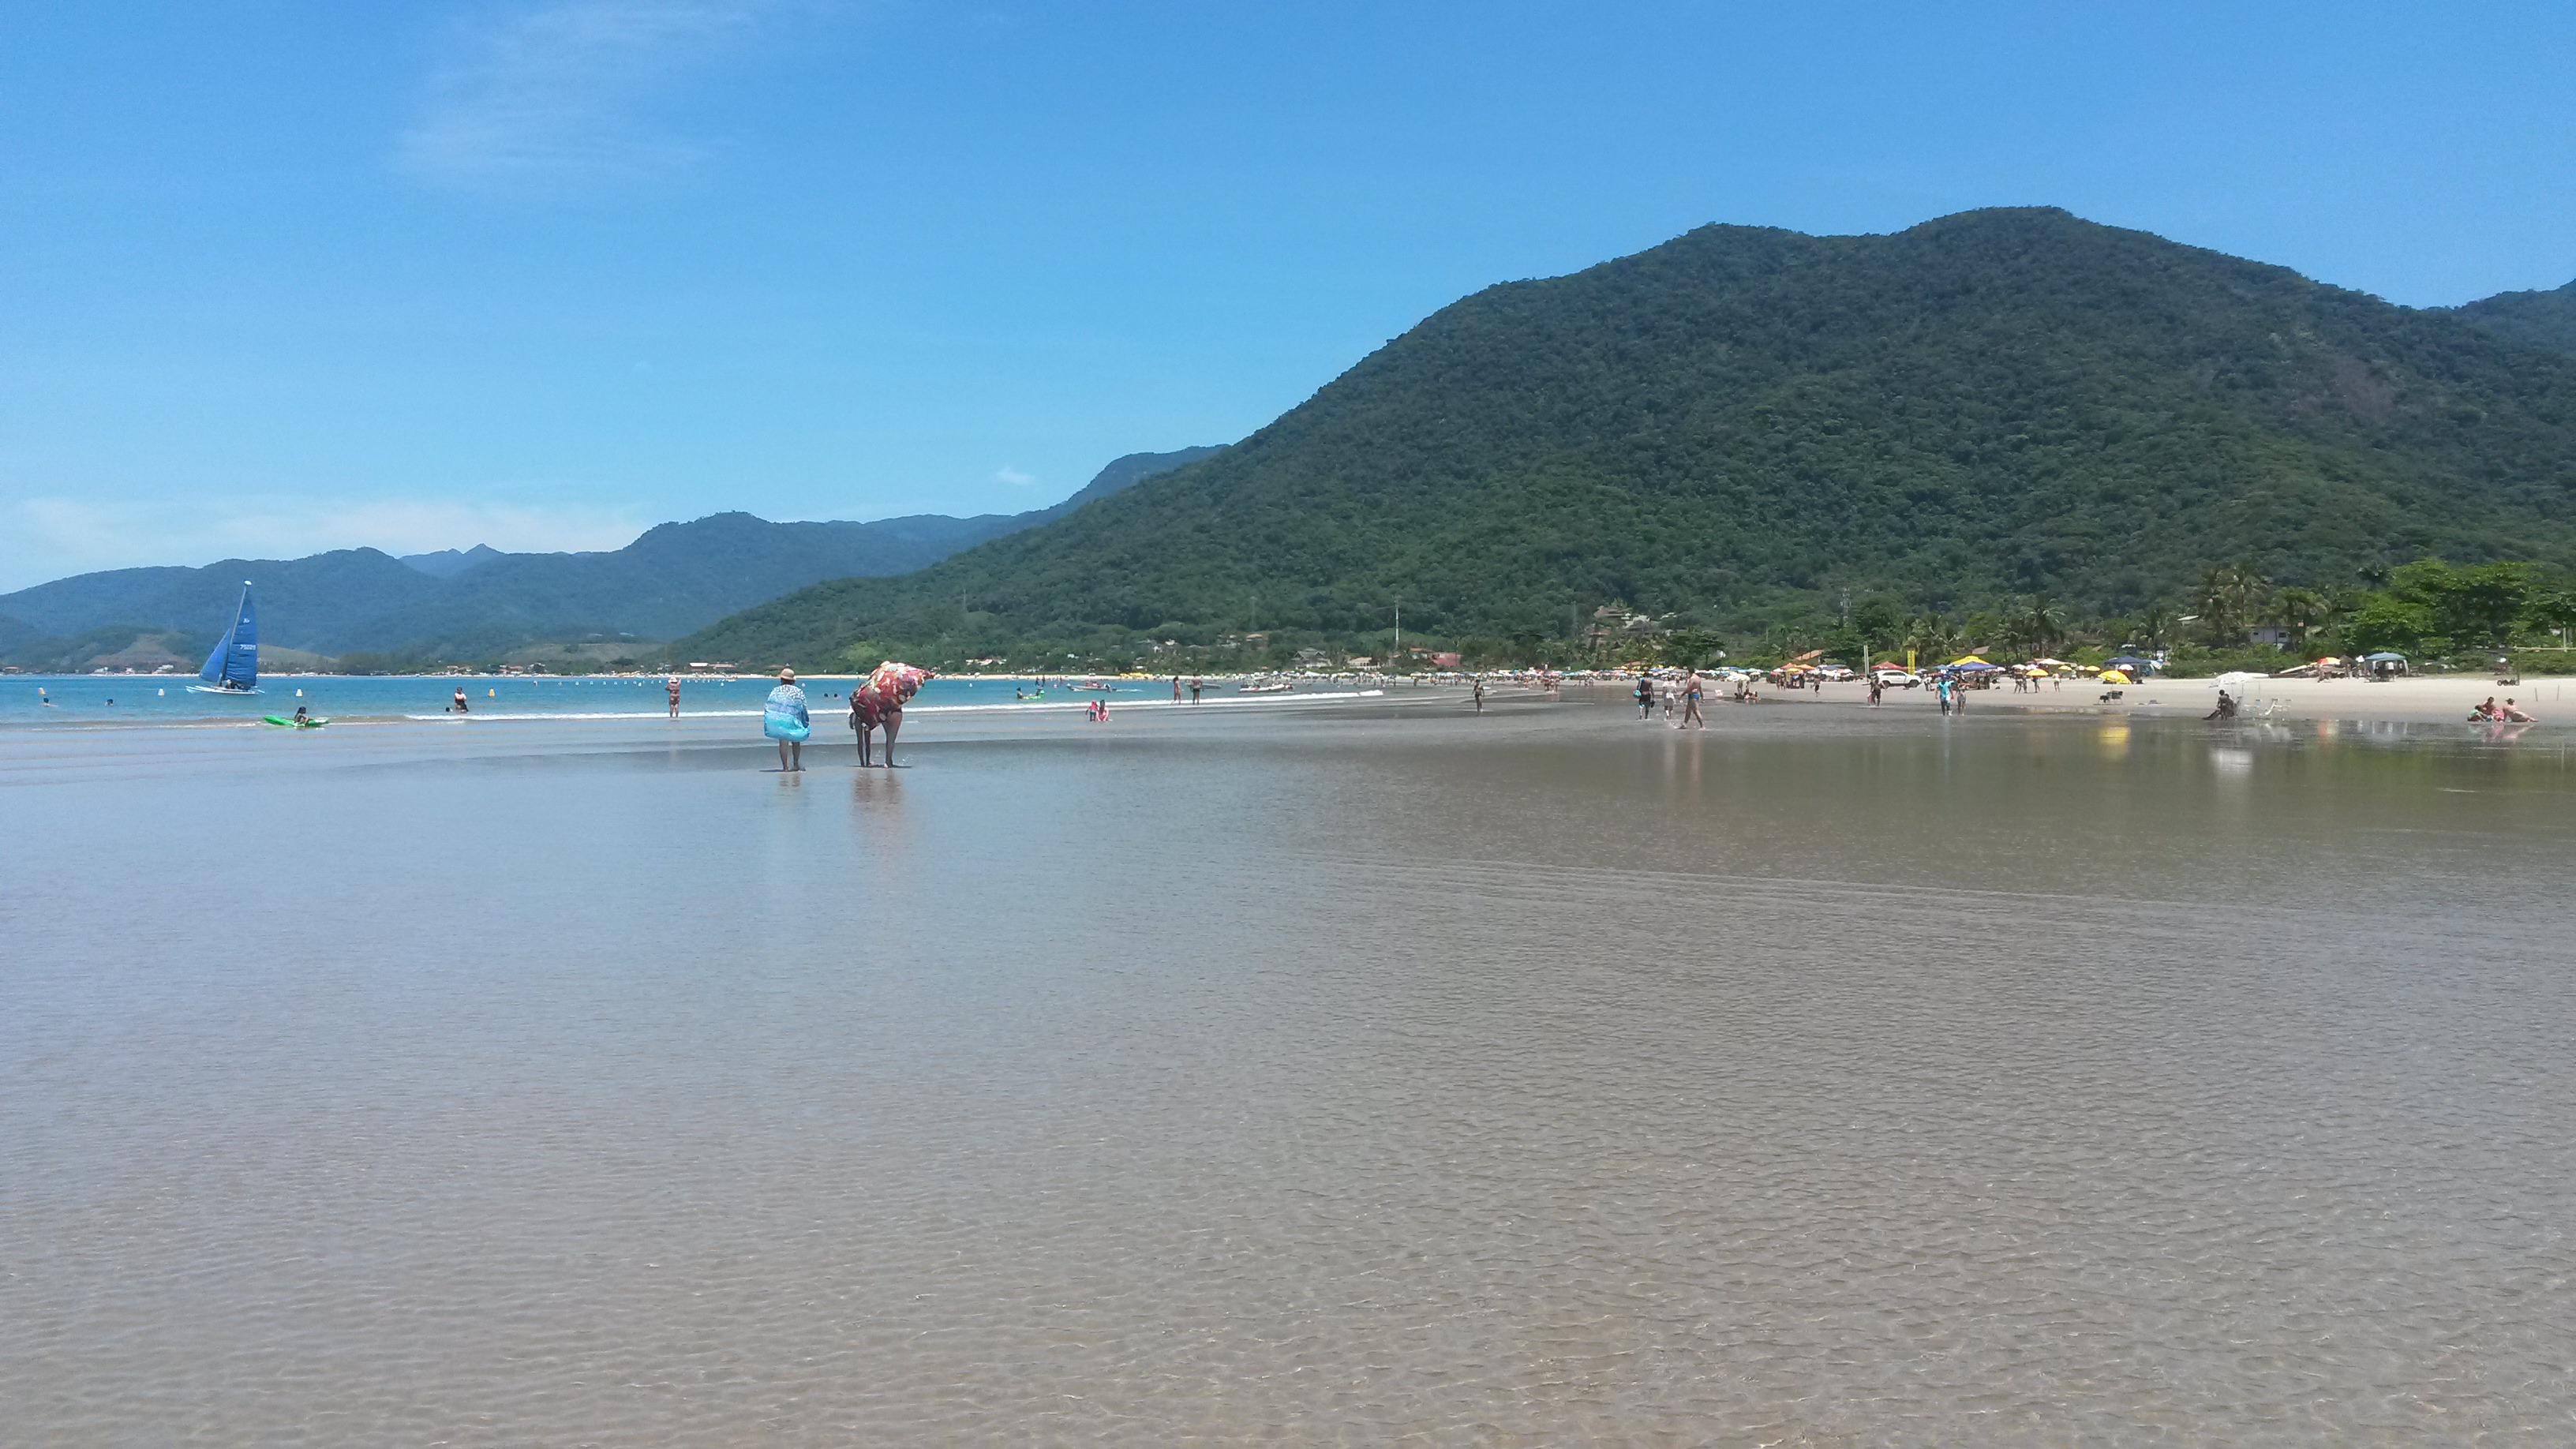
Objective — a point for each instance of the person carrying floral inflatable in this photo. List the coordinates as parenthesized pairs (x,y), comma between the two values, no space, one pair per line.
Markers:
(878,702)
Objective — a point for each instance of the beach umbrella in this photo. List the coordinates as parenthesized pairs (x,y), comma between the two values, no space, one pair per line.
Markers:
(1969,659)
(1975,666)
(2113,676)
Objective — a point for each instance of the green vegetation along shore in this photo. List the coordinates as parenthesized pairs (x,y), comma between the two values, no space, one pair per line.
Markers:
(1746,431)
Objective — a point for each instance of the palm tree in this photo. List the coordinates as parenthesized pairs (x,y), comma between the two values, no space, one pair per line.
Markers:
(1930,636)
(2043,623)
(2155,626)
(2302,610)
(2229,599)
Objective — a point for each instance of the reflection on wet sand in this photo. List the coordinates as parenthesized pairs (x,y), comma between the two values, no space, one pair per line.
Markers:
(1326,1078)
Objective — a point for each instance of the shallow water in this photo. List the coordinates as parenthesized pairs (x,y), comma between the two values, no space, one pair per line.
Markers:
(59,700)
(1352,1076)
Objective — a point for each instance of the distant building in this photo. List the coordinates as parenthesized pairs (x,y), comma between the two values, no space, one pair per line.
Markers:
(2278,635)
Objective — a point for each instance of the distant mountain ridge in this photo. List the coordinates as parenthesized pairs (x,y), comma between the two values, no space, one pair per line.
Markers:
(1748,424)
(2541,319)
(675,578)
(447,563)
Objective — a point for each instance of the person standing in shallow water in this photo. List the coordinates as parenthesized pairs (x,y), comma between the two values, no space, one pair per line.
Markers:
(671,687)
(783,718)
(460,706)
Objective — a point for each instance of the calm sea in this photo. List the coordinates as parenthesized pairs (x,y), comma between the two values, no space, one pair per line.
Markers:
(151,699)
(1355,1072)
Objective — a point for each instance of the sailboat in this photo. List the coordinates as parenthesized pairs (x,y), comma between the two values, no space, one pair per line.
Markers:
(234,666)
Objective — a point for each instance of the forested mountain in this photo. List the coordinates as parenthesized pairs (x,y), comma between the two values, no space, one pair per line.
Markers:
(675,578)
(2542,319)
(1745,422)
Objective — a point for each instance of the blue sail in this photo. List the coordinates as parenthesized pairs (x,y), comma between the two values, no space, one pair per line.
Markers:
(235,662)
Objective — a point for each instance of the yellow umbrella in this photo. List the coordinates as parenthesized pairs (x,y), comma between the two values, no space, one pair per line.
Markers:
(1968,659)
(2113,676)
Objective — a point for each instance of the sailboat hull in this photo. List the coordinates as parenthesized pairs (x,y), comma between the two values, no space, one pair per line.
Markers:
(217,689)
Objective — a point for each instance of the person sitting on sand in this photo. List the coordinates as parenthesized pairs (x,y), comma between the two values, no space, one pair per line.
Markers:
(2226,707)
(2511,712)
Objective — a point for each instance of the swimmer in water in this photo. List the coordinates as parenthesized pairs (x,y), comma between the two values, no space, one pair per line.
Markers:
(460,706)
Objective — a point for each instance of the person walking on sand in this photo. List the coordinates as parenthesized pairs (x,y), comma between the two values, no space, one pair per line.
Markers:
(671,691)
(1195,682)
(1876,687)
(783,718)
(1176,689)
(1691,689)
(1480,694)
(1645,693)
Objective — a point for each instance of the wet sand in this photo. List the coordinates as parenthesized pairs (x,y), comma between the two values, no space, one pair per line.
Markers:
(1347,1074)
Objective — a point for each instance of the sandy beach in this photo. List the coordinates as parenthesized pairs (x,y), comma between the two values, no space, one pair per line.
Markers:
(2433,700)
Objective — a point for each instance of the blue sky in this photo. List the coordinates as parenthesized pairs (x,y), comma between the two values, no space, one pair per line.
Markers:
(280,277)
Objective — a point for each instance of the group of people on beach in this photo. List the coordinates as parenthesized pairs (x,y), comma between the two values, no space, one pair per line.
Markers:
(2505,713)
(1683,693)
(876,703)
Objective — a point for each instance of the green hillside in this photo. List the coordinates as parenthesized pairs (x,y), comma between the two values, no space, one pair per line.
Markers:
(1743,424)
(2542,319)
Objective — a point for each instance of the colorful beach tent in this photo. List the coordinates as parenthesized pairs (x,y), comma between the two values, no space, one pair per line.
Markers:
(1970,659)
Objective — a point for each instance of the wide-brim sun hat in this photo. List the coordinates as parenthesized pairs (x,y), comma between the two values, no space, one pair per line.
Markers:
(787,674)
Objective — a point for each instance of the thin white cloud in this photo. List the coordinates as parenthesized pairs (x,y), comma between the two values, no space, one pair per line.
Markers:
(49,538)
(553,93)
(1014,477)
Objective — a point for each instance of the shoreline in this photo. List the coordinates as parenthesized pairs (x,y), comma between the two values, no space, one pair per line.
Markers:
(2414,700)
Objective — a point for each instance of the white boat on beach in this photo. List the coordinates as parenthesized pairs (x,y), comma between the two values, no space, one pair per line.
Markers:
(1265,684)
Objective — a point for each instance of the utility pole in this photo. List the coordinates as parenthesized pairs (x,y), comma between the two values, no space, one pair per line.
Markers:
(1399,631)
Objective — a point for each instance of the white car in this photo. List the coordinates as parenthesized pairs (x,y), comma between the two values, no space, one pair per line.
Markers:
(1895,679)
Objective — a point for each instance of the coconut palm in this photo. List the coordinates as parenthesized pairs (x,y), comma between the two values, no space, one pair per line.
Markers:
(2229,599)
(1930,636)
(2155,627)
(2302,610)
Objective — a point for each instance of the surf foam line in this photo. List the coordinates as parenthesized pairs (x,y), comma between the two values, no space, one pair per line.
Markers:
(1050,704)
(1031,706)
(454,718)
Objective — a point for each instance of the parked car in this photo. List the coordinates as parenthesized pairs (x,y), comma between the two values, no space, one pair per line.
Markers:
(1836,673)
(1895,679)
